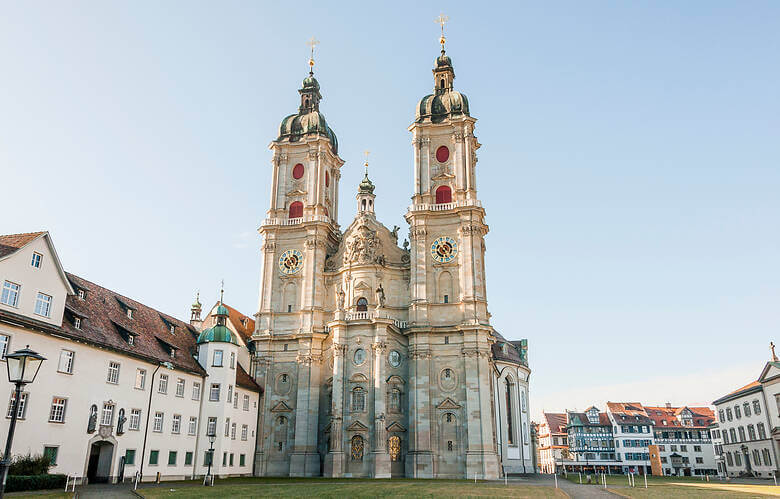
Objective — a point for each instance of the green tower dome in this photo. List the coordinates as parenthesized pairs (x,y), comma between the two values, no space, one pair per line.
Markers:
(217,334)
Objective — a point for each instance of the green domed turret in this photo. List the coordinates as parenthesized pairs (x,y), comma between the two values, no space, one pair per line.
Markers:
(217,334)
(308,120)
(445,102)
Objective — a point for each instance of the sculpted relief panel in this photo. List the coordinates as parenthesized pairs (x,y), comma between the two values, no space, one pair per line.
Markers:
(364,247)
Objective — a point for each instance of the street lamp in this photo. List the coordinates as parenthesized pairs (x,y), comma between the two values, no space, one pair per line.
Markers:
(22,365)
(212,437)
(166,365)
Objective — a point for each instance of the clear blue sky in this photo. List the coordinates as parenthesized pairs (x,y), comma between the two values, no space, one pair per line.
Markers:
(630,162)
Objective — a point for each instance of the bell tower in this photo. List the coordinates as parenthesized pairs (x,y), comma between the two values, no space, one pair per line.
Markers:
(300,230)
(448,314)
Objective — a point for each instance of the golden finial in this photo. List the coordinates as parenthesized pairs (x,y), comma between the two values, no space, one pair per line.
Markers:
(313,42)
(442,20)
(366,153)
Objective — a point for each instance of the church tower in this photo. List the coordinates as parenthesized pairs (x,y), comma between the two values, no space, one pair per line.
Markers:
(449,321)
(301,228)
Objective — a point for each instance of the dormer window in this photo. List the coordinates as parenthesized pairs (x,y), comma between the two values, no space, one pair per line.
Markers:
(82,294)
(131,340)
(129,313)
(173,329)
(77,322)
(36,260)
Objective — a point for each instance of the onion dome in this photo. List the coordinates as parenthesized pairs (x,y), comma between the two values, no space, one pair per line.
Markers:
(217,334)
(308,121)
(445,102)
(366,186)
(196,305)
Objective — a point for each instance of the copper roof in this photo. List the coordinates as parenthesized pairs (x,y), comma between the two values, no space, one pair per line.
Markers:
(11,242)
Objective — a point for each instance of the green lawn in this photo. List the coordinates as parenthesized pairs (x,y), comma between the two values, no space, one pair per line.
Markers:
(280,487)
(622,480)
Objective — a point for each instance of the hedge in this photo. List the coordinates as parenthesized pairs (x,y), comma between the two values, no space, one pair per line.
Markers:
(34,482)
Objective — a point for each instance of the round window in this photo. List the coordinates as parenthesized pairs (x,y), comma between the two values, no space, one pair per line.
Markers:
(442,154)
(359,357)
(298,171)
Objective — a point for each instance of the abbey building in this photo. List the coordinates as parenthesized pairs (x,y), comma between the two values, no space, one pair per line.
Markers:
(377,358)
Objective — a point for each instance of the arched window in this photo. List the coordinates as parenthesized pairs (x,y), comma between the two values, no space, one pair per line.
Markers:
(756,407)
(510,431)
(290,298)
(296,210)
(441,83)
(522,400)
(362,305)
(445,287)
(357,448)
(297,171)
(363,204)
(358,399)
(443,195)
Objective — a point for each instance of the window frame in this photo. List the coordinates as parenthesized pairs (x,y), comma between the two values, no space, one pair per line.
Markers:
(116,367)
(36,262)
(134,415)
(43,300)
(70,360)
(62,409)
(159,416)
(8,291)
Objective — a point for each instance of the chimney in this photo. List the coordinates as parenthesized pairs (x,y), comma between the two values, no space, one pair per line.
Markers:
(668,405)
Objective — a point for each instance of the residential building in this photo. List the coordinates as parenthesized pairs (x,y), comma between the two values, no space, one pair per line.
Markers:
(591,443)
(717,448)
(633,435)
(123,388)
(684,439)
(553,441)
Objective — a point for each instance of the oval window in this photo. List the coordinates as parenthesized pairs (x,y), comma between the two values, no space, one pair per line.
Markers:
(327,179)
(298,171)
(442,154)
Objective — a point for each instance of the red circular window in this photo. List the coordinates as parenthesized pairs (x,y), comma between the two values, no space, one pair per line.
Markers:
(327,179)
(442,154)
(298,171)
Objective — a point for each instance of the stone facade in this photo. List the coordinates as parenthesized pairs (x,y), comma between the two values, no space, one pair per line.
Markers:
(378,359)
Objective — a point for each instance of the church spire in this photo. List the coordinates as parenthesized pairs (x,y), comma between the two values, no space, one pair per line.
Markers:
(365,195)
(443,73)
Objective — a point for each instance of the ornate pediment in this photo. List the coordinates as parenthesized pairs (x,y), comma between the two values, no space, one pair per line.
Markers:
(395,426)
(395,380)
(358,378)
(281,407)
(364,246)
(357,426)
(362,286)
(448,403)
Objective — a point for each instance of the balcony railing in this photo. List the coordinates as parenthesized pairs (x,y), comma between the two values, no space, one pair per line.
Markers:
(367,316)
(445,206)
(295,221)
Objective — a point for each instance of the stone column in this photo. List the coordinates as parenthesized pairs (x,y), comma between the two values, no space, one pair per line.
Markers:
(419,459)
(381,459)
(334,460)
(304,458)
(481,457)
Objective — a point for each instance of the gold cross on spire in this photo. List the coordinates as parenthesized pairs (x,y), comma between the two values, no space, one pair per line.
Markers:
(313,42)
(366,153)
(442,20)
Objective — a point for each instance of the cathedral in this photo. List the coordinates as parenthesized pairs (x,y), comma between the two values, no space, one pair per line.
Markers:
(377,358)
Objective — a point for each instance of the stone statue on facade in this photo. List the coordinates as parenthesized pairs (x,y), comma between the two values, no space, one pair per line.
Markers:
(394,233)
(340,297)
(380,296)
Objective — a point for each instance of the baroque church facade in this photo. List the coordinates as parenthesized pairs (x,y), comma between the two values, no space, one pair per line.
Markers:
(378,359)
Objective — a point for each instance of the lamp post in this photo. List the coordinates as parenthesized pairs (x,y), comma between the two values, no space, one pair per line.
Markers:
(22,365)
(212,437)
(166,365)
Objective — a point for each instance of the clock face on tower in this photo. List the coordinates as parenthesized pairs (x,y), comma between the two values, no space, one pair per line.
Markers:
(291,261)
(444,249)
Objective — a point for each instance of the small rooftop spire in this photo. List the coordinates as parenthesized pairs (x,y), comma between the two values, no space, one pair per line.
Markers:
(442,20)
(221,291)
(313,42)
(772,347)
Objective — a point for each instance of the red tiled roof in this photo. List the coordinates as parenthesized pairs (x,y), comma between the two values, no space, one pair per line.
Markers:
(702,416)
(244,324)
(556,422)
(243,379)
(105,322)
(746,387)
(628,412)
(10,243)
